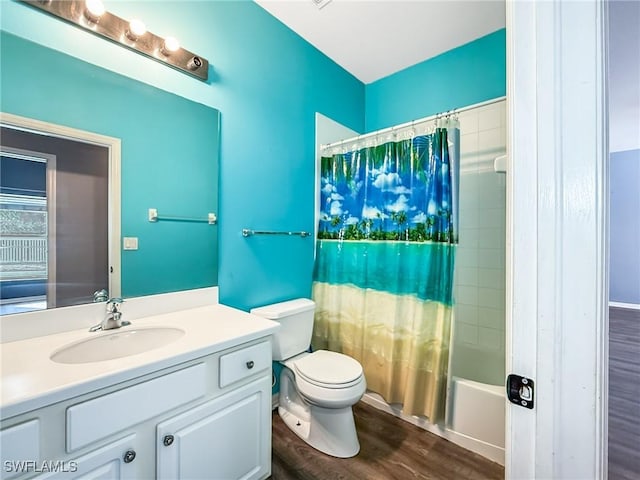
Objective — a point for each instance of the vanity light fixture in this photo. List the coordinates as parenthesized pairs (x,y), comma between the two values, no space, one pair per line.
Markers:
(92,16)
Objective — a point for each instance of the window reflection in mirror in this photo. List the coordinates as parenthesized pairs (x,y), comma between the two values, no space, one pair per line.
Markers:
(24,232)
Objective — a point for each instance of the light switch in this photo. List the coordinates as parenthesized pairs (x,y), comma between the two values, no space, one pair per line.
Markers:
(130,243)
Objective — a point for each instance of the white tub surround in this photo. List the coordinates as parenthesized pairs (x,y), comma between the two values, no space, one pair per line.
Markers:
(30,379)
(478,339)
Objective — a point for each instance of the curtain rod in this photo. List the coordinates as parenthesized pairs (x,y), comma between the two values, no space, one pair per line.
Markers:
(413,122)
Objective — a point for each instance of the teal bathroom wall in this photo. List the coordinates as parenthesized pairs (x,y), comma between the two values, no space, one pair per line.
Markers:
(267,83)
(466,75)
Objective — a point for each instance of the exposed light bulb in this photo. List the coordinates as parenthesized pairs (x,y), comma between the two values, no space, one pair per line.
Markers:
(136,29)
(170,45)
(94,9)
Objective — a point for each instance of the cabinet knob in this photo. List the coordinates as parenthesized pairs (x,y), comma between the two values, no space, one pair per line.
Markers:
(250,364)
(167,440)
(129,456)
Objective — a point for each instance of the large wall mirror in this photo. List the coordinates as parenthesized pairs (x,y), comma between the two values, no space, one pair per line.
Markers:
(58,197)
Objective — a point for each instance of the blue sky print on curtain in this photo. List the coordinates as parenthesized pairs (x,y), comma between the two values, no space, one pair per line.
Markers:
(395,191)
(383,278)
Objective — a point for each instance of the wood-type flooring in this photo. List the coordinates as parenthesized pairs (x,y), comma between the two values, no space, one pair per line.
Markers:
(390,449)
(624,394)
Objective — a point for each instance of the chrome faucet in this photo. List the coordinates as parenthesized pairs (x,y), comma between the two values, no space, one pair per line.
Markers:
(100,296)
(113,317)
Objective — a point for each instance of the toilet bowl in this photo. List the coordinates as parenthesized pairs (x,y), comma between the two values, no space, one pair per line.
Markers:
(317,390)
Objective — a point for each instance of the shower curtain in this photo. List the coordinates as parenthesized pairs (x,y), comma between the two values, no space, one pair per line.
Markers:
(383,277)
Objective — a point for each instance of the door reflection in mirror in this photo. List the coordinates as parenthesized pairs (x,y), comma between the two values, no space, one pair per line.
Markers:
(53,251)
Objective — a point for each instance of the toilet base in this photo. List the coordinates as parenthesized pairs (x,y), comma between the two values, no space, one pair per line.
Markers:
(331,431)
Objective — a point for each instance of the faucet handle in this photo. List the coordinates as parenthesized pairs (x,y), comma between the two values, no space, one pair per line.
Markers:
(112,304)
(100,295)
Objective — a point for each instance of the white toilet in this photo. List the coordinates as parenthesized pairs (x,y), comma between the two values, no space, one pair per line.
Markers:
(317,389)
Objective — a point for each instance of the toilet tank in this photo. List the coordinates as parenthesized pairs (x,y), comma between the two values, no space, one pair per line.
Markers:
(296,326)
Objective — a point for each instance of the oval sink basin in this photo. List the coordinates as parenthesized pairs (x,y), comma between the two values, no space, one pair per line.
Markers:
(116,345)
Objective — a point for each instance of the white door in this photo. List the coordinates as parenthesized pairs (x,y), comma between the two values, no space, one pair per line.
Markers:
(557,241)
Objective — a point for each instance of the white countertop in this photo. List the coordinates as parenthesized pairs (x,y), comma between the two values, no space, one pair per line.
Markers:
(30,379)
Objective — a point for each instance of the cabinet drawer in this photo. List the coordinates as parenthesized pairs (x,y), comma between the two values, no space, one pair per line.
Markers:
(244,363)
(96,419)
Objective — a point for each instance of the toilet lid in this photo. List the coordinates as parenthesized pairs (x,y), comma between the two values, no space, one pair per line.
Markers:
(330,368)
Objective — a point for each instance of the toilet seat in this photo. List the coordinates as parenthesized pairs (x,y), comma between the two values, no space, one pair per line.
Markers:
(330,370)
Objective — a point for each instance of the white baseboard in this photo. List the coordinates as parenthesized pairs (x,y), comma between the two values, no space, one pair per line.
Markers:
(632,306)
(493,453)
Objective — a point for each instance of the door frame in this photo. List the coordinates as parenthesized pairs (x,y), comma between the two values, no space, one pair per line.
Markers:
(557,245)
(113,145)
(52,263)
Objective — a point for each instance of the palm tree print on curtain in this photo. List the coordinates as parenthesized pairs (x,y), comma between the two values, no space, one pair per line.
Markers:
(383,277)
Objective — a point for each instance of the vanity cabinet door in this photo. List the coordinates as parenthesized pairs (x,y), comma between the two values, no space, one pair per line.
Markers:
(116,460)
(226,438)
(20,448)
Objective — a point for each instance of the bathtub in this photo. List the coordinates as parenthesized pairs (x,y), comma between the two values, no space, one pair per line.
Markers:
(477,411)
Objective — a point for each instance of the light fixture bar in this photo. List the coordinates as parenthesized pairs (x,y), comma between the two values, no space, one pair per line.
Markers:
(118,30)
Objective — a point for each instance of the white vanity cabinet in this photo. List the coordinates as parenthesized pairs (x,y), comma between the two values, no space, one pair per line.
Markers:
(208,418)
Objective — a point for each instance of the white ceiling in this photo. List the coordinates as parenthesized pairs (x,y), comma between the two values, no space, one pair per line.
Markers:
(374,39)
